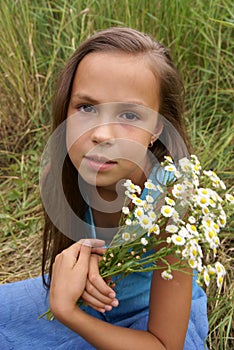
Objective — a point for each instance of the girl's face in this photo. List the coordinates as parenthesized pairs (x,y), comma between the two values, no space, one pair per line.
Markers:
(112,118)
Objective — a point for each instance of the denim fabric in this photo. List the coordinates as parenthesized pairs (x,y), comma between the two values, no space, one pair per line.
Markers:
(22,302)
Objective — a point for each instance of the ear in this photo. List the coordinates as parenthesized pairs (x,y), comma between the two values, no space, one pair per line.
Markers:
(157,132)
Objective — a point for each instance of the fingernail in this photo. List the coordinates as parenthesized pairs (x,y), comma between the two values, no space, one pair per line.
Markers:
(112,295)
(108,307)
(87,243)
(115,303)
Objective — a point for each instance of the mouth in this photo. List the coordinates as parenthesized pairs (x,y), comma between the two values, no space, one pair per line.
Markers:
(100,163)
(100,159)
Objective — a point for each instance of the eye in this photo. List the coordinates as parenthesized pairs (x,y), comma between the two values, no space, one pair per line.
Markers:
(87,108)
(129,116)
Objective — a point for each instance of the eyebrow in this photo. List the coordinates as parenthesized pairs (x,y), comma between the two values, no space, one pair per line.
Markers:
(84,97)
(87,98)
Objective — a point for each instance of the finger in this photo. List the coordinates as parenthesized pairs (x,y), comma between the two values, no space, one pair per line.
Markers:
(83,258)
(73,250)
(93,294)
(96,303)
(99,251)
(96,280)
(99,303)
(99,309)
(68,257)
(95,243)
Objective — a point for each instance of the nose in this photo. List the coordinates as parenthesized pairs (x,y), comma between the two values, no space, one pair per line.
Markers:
(103,134)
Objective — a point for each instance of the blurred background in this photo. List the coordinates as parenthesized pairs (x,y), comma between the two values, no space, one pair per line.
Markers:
(37,37)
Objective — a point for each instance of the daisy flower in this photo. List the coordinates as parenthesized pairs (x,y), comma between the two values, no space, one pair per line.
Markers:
(126,236)
(177,190)
(160,188)
(192,229)
(211,270)
(130,195)
(183,232)
(169,159)
(167,211)
(154,229)
(220,270)
(138,212)
(205,192)
(205,210)
(128,222)
(175,216)
(145,222)
(149,199)
(149,185)
(152,215)
(131,187)
(221,221)
(185,164)
(206,277)
(125,210)
(229,198)
(177,240)
(166,275)
(172,228)
(169,201)
(192,220)
(170,168)
(203,201)
(192,263)
(138,201)
(144,241)
(219,281)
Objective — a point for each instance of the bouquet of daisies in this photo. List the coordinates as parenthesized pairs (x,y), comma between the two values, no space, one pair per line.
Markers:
(184,220)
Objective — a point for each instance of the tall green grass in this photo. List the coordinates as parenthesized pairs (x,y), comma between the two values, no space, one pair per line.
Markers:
(37,37)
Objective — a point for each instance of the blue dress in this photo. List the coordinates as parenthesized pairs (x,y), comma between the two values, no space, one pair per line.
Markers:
(22,302)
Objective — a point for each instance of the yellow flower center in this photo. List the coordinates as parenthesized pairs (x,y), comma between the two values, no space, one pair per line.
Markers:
(192,263)
(194,252)
(139,212)
(211,234)
(204,191)
(207,278)
(203,201)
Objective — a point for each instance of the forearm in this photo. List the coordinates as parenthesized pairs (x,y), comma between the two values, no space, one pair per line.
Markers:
(105,336)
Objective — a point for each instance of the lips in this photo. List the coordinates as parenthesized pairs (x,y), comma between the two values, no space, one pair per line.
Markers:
(100,159)
(99,163)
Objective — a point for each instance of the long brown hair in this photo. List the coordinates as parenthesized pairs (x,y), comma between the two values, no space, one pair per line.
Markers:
(127,41)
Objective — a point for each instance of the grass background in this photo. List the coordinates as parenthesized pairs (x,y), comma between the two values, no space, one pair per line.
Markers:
(37,36)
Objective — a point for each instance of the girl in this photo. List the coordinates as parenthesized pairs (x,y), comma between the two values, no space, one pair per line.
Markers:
(117,112)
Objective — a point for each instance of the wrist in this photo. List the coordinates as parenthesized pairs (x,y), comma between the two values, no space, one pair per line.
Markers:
(63,313)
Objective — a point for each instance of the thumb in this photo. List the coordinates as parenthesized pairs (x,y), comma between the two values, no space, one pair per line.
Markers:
(92,242)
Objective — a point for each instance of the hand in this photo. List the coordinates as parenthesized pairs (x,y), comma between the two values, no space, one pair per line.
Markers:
(98,294)
(69,276)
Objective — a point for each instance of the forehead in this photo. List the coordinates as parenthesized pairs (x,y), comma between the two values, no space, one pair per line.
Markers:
(116,77)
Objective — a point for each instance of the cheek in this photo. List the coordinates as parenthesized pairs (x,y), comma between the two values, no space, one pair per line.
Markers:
(134,149)
(77,131)
(141,138)
(75,148)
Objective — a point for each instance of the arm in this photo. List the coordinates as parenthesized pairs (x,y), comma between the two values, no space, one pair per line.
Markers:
(167,324)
